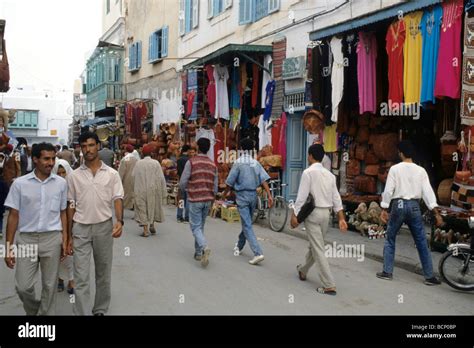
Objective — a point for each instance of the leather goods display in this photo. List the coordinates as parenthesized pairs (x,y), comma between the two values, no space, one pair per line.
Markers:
(353,167)
(462,177)
(372,169)
(444,191)
(363,134)
(363,120)
(371,158)
(352,132)
(313,121)
(360,152)
(271,161)
(365,184)
(385,146)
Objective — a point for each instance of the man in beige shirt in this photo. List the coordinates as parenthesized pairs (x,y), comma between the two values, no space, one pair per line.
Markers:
(92,188)
(321,184)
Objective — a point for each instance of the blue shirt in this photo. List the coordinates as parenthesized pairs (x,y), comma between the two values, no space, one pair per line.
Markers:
(39,203)
(430,31)
(246,174)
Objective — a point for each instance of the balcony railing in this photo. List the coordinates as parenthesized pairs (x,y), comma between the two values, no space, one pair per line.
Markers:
(108,92)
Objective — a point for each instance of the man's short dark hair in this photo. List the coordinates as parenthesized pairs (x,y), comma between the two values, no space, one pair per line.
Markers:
(65,147)
(317,151)
(204,145)
(247,144)
(406,148)
(88,135)
(37,148)
(185,148)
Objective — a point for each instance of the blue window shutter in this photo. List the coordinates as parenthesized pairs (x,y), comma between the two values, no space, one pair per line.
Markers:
(130,57)
(260,9)
(245,11)
(182,17)
(195,13)
(210,9)
(150,47)
(215,7)
(189,15)
(164,41)
(139,54)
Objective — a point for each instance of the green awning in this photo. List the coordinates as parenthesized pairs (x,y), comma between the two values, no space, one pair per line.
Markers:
(228,53)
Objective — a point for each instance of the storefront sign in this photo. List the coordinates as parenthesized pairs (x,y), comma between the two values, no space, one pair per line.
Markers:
(293,68)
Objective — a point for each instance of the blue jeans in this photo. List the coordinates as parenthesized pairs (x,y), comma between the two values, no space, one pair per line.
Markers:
(198,212)
(246,202)
(407,211)
(179,213)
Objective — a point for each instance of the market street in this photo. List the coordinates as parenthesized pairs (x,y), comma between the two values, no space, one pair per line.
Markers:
(160,277)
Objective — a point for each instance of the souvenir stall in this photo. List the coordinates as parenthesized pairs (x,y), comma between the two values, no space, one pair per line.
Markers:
(379,80)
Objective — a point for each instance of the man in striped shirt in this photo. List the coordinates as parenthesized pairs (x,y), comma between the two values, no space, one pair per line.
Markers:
(199,180)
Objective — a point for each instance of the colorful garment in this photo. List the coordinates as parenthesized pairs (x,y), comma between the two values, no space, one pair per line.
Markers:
(366,73)
(412,58)
(211,89)
(337,76)
(395,40)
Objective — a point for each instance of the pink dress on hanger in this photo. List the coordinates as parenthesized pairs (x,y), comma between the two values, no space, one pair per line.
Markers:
(366,76)
(211,90)
(448,75)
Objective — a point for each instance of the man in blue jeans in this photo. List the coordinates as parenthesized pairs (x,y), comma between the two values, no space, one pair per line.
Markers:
(199,179)
(406,184)
(245,177)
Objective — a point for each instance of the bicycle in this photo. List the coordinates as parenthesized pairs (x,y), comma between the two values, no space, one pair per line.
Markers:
(456,266)
(278,213)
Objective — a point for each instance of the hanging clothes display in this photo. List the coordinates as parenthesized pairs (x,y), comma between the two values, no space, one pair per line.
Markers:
(276,136)
(209,134)
(330,138)
(220,145)
(395,40)
(192,94)
(282,138)
(323,80)
(265,134)
(366,73)
(190,103)
(337,76)
(351,88)
(467,103)
(412,58)
(235,96)
(448,76)
(211,89)
(430,32)
(267,60)
(269,100)
(221,75)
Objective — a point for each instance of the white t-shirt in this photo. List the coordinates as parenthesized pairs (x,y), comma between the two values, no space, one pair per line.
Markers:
(221,75)
(209,134)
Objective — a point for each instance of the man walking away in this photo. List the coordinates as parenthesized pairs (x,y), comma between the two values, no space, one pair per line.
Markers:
(106,155)
(406,184)
(150,191)
(182,215)
(92,188)
(67,155)
(245,177)
(127,164)
(38,203)
(199,179)
(321,184)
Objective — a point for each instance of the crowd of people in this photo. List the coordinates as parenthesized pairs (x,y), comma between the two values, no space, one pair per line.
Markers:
(71,203)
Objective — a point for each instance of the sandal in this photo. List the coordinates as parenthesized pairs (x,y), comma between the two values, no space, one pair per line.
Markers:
(326,291)
(145,235)
(152,230)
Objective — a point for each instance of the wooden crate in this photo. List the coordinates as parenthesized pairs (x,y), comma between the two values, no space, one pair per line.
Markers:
(230,214)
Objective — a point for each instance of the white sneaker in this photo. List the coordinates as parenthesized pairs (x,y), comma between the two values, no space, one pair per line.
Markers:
(237,251)
(256,260)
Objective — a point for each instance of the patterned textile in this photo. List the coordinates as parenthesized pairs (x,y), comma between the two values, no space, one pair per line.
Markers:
(467,109)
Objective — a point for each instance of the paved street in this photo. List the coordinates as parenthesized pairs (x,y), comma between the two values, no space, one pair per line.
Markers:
(160,276)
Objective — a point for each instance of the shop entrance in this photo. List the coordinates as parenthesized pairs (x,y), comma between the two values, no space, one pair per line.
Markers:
(296,154)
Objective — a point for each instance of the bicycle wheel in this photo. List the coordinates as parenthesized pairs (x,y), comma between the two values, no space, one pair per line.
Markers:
(257,213)
(278,214)
(458,271)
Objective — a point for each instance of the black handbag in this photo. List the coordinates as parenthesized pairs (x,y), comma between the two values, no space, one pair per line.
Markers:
(306,209)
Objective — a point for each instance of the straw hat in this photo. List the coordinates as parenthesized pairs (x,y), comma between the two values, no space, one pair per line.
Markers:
(313,121)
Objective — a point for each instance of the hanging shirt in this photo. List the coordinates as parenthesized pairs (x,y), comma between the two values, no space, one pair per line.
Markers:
(366,73)
(330,138)
(209,134)
(337,76)
(412,58)
(430,31)
(448,77)
(395,40)
(325,69)
(269,100)
(351,89)
(255,81)
(267,60)
(282,142)
(211,89)
(265,134)
(221,75)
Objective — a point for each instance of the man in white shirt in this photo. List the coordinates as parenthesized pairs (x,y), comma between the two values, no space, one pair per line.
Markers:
(321,184)
(406,184)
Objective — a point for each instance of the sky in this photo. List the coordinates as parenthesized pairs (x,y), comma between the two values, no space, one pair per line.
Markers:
(48,41)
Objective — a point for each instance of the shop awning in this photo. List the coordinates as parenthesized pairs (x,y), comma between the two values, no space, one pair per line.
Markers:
(391,12)
(98,120)
(229,52)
